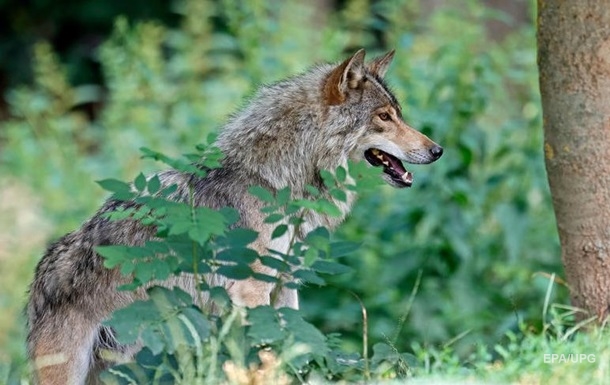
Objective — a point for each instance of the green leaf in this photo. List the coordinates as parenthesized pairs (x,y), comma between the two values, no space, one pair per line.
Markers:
(144,272)
(329,267)
(342,248)
(304,332)
(156,268)
(341,174)
(219,295)
(296,221)
(269,209)
(196,322)
(264,326)
(230,214)
(279,231)
(140,182)
(165,300)
(310,256)
(119,214)
(167,191)
(114,254)
(240,271)
(338,194)
(273,218)
(207,222)
(240,237)
(383,352)
(329,208)
(238,255)
(275,263)
(312,190)
(129,321)
(114,185)
(366,178)
(306,204)
(262,194)
(328,178)
(154,184)
(127,268)
(318,237)
(291,209)
(141,212)
(153,340)
(178,164)
(308,276)
(164,322)
(265,278)
(283,196)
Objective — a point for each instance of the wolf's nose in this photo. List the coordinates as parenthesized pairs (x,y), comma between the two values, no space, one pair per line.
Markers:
(436,151)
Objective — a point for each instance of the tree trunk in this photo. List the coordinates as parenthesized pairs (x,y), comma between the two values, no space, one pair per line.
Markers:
(574,64)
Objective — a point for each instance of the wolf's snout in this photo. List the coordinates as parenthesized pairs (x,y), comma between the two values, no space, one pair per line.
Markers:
(436,151)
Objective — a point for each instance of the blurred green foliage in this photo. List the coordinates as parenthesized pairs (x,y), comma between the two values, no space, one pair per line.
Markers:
(75,29)
(451,261)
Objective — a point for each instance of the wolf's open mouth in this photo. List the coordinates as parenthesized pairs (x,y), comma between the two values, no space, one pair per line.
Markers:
(392,166)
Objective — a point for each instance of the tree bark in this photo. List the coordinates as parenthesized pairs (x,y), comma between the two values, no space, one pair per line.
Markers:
(574,65)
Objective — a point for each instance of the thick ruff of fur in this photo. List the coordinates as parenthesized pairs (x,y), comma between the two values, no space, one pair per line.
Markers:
(287,133)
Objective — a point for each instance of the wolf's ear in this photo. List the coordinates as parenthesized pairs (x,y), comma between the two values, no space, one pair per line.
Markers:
(345,77)
(379,66)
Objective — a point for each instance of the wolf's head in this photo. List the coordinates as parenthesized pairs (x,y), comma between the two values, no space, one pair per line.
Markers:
(357,95)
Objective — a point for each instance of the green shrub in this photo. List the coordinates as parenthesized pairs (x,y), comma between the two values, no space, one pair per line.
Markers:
(185,343)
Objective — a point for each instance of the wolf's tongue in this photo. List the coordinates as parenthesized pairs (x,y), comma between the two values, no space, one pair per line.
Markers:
(396,166)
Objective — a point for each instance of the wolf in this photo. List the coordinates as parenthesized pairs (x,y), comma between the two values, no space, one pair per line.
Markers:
(286,134)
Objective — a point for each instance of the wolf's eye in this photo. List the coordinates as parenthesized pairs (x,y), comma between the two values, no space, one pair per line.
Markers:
(384,116)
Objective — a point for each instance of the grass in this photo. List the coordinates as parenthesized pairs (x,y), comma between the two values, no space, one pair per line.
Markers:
(531,359)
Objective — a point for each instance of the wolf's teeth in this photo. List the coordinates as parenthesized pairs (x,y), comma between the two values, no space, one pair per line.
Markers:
(375,152)
(386,163)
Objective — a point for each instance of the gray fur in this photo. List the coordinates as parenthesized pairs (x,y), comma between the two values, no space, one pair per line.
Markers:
(285,135)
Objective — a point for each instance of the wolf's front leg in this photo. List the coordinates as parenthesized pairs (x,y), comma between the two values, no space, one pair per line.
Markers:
(250,292)
(286,298)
